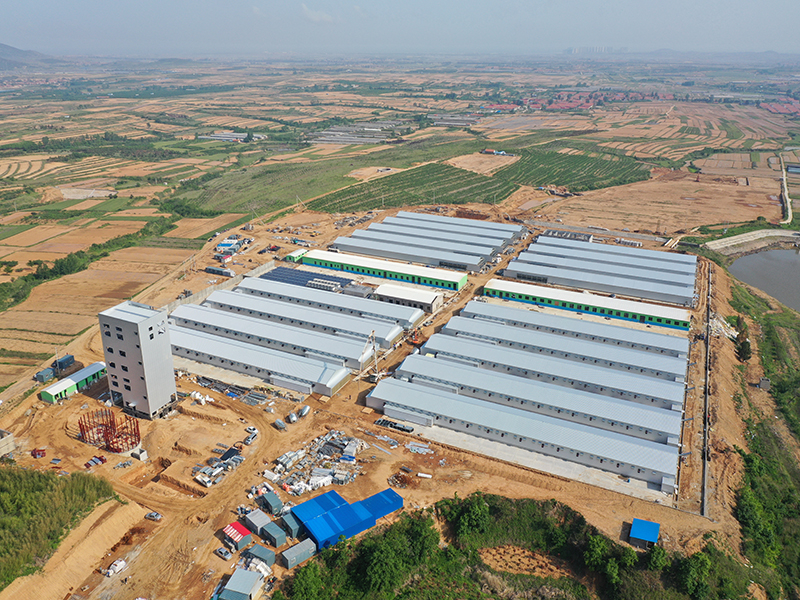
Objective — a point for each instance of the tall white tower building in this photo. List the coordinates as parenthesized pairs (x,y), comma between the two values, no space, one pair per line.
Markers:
(138,356)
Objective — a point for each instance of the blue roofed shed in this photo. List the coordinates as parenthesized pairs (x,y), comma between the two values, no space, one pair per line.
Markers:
(383,503)
(311,509)
(644,533)
(291,524)
(274,534)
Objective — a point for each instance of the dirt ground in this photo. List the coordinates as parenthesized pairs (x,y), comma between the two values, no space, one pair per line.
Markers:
(513,559)
(671,202)
(192,228)
(484,164)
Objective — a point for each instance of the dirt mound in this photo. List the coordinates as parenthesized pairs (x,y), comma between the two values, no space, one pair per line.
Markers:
(513,559)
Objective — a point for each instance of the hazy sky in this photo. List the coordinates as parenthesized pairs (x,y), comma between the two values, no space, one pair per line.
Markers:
(270,27)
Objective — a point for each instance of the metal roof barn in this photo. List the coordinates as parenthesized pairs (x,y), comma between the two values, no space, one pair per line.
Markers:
(256,520)
(284,338)
(443,244)
(305,317)
(351,263)
(496,243)
(311,509)
(450,260)
(673,257)
(346,520)
(646,531)
(428,300)
(569,296)
(613,335)
(618,453)
(617,269)
(587,254)
(383,503)
(590,352)
(611,284)
(279,368)
(515,230)
(600,380)
(406,317)
(243,585)
(449,229)
(596,410)
(299,553)
(77,379)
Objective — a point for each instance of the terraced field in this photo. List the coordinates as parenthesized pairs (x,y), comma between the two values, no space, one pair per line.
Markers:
(427,184)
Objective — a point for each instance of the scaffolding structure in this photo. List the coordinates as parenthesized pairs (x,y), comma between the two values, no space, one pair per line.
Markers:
(102,429)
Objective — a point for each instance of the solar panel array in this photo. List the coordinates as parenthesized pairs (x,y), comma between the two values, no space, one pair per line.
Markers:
(300,277)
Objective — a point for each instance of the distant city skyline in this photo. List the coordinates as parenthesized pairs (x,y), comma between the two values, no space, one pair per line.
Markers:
(208,28)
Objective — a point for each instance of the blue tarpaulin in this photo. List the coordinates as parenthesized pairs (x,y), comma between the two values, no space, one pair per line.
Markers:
(645,530)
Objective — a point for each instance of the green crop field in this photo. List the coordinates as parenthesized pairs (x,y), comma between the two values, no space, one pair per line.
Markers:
(428,184)
(576,172)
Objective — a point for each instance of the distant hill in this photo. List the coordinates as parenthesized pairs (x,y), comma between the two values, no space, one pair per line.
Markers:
(13,58)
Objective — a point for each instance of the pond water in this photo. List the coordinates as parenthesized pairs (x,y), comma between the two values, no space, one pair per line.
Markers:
(776,272)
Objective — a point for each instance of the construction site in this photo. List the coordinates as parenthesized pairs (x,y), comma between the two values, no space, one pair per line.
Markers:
(395,373)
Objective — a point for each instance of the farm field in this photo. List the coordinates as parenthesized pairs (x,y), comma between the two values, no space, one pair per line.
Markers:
(193,228)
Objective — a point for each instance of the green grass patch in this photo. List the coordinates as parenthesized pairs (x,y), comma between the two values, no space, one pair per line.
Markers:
(428,184)
(231,225)
(6,353)
(175,243)
(38,508)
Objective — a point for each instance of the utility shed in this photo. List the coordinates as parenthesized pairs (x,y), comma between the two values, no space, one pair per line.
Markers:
(282,369)
(610,451)
(336,303)
(243,585)
(256,520)
(238,535)
(570,326)
(270,502)
(291,524)
(426,300)
(299,553)
(276,336)
(305,317)
(395,251)
(274,534)
(261,553)
(644,533)
(74,383)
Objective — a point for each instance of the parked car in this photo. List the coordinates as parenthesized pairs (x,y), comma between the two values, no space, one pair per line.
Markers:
(153,516)
(251,429)
(250,439)
(223,553)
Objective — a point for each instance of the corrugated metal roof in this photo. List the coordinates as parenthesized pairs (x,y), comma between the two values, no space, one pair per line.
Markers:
(407,293)
(370,248)
(244,582)
(411,228)
(257,519)
(645,530)
(383,503)
(357,326)
(589,254)
(448,229)
(73,379)
(549,394)
(305,548)
(405,315)
(278,363)
(131,312)
(687,259)
(616,269)
(314,341)
(443,244)
(387,265)
(608,283)
(647,387)
(236,531)
(474,223)
(581,438)
(311,509)
(485,330)
(612,334)
(531,289)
